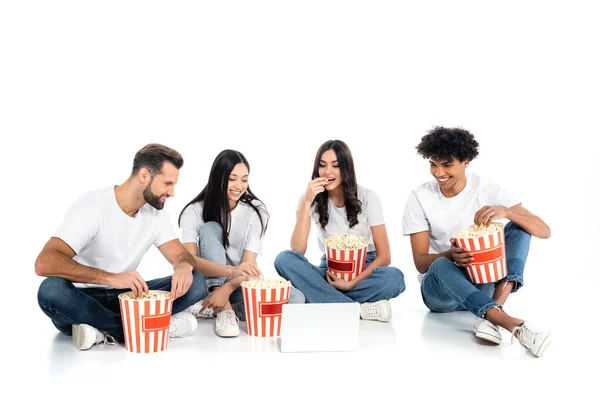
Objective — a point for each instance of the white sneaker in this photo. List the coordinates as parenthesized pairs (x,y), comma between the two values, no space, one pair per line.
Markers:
(378,311)
(227,324)
(85,336)
(195,311)
(182,324)
(487,330)
(533,339)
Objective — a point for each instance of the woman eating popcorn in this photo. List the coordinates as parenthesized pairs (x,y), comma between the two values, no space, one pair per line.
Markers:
(337,205)
(223,226)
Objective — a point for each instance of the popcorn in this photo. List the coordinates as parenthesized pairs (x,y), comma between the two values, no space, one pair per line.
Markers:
(152,294)
(254,283)
(478,230)
(346,242)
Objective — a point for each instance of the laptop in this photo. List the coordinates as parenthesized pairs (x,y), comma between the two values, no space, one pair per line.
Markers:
(319,327)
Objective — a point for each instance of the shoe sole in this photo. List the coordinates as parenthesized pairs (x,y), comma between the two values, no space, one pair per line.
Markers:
(542,348)
(389,310)
(488,337)
(226,335)
(79,337)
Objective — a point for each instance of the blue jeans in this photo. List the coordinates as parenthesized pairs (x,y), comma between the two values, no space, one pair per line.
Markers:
(67,304)
(446,287)
(210,247)
(384,282)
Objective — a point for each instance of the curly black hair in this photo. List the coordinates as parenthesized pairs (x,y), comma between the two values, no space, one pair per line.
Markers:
(442,143)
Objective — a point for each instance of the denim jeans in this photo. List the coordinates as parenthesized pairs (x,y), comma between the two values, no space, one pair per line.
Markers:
(210,247)
(384,282)
(67,304)
(446,286)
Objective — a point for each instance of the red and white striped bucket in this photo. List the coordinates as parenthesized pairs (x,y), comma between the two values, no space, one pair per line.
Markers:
(146,321)
(346,264)
(264,305)
(489,253)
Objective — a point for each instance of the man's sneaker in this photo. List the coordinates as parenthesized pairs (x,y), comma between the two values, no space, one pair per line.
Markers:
(533,339)
(486,330)
(182,324)
(227,324)
(85,336)
(378,311)
(195,311)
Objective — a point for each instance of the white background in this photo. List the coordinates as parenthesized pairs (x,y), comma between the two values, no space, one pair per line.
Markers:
(84,85)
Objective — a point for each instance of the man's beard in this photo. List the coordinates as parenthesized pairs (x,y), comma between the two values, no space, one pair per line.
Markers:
(153,199)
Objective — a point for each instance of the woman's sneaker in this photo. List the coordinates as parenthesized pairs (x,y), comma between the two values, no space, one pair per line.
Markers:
(182,324)
(486,330)
(378,311)
(227,324)
(85,336)
(532,339)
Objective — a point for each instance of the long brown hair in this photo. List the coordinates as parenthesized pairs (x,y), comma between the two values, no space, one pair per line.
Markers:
(350,186)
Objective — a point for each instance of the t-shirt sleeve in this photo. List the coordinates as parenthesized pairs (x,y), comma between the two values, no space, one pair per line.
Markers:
(495,195)
(254,237)
(165,232)
(81,223)
(414,219)
(374,210)
(191,220)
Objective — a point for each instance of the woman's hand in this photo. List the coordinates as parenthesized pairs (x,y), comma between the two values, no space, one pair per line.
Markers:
(339,283)
(315,187)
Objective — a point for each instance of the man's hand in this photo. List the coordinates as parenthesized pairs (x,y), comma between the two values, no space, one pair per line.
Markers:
(486,215)
(181,280)
(460,255)
(129,280)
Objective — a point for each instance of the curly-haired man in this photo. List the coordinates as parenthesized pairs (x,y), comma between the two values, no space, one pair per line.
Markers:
(452,201)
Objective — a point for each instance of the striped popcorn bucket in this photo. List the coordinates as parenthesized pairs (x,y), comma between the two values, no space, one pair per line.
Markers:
(489,253)
(146,322)
(263,309)
(346,264)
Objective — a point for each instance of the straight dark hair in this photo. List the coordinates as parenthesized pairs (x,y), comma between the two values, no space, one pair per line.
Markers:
(350,186)
(152,157)
(214,195)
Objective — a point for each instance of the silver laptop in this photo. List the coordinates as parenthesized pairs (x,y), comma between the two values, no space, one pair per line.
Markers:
(320,327)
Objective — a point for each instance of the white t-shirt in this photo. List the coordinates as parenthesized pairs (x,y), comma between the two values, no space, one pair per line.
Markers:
(244,233)
(104,237)
(427,209)
(371,215)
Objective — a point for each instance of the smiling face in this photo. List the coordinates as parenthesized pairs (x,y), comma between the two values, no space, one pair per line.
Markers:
(329,168)
(450,175)
(161,186)
(238,184)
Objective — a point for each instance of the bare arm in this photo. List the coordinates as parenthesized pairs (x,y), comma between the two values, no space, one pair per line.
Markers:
(183,266)
(299,239)
(419,243)
(518,214)
(302,228)
(177,255)
(207,267)
(56,259)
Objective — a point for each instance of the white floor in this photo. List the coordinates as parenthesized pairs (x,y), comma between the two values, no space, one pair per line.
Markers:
(417,354)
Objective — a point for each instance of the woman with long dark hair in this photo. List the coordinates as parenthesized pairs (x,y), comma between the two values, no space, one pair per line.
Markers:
(223,226)
(338,205)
